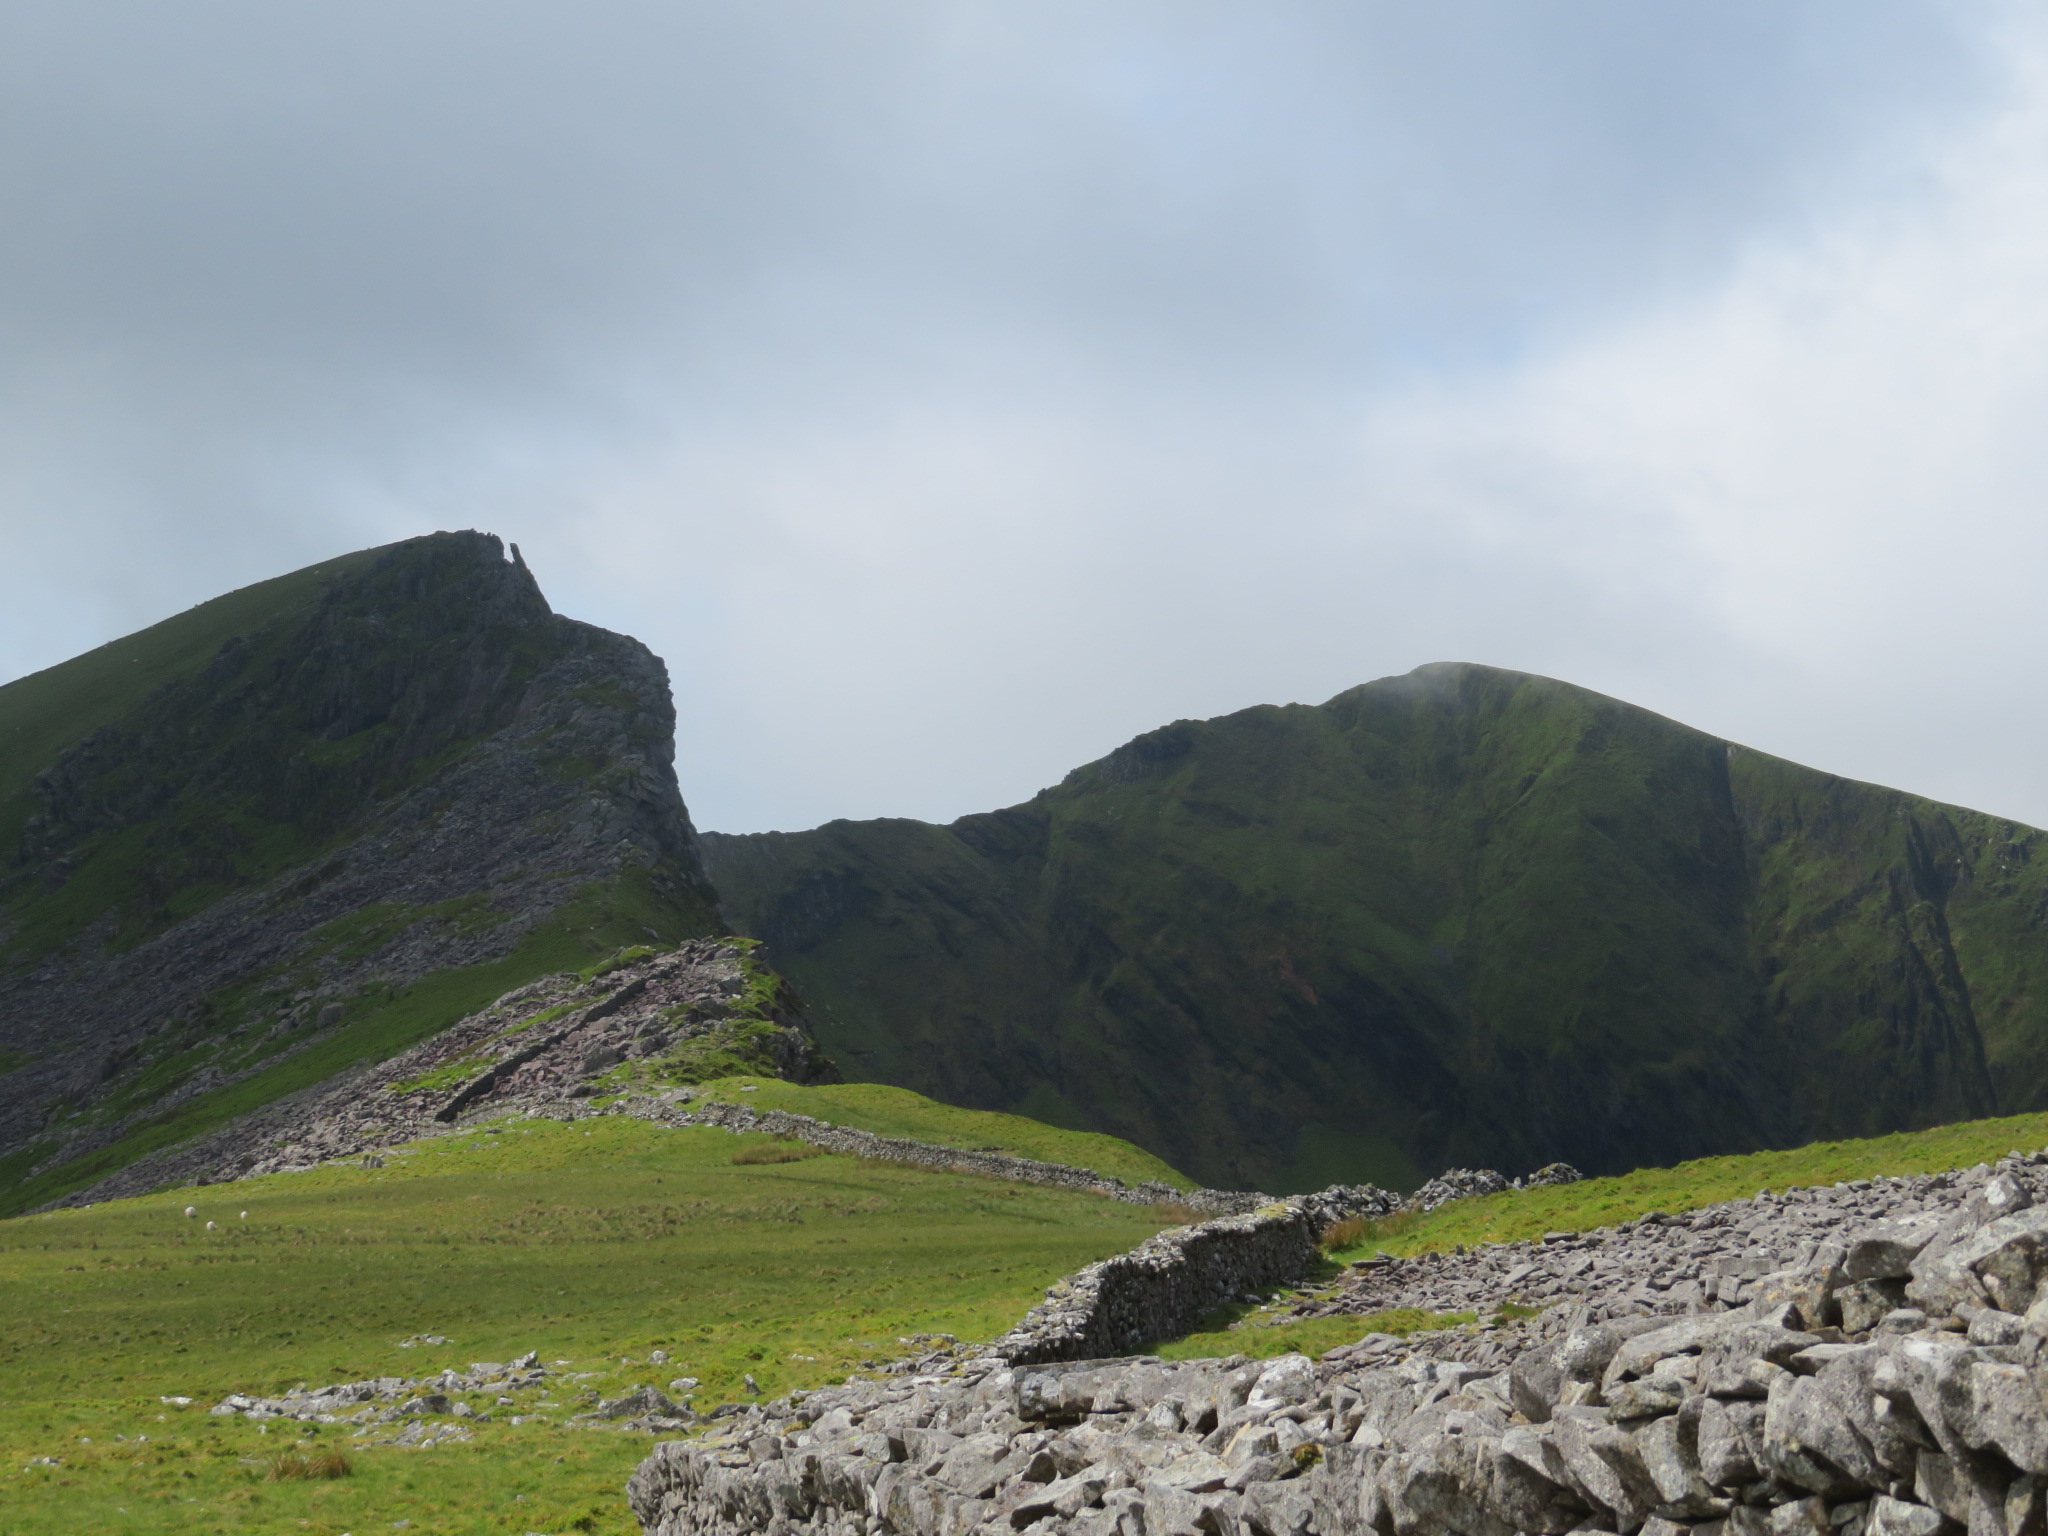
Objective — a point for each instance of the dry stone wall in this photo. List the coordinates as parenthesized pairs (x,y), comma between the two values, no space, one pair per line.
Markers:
(1164,1286)
(925,1154)
(1875,1364)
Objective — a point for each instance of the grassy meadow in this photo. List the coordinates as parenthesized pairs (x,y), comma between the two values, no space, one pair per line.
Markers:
(593,1243)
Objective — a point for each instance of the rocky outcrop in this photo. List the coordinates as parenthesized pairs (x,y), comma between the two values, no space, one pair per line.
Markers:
(645,1021)
(428,1410)
(1880,1374)
(418,775)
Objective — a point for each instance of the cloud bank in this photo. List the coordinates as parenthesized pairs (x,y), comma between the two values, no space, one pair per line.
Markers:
(952,391)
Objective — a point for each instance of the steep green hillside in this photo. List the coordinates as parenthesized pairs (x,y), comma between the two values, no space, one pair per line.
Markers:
(43,714)
(303,826)
(1462,916)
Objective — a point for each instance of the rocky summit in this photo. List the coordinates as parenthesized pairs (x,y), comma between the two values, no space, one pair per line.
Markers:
(1463,916)
(1859,1361)
(305,826)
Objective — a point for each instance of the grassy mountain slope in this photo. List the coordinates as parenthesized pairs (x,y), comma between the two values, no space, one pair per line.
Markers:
(45,713)
(1462,916)
(304,826)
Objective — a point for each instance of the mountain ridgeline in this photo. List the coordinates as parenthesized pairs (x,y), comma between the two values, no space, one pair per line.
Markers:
(1464,916)
(304,826)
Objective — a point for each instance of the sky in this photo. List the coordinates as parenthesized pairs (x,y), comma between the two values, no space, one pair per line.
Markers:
(950,391)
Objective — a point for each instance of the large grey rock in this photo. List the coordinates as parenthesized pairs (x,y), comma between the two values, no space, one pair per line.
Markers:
(1289,1379)
(1943,1485)
(1864,1303)
(1804,1297)
(1670,1451)
(1533,1489)
(1636,1357)
(1810,1437)
(1728,1357)
(1605,1462)
(1886,1250)
(1928,1373)
(1587,1352)
(1730,1440)
(1279,1508)
(1534,1383)
(1899,1517)
(1171,1511)
(1443,1488)
(2002,1409)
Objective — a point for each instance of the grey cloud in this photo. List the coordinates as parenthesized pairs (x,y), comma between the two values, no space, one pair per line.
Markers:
(965,385)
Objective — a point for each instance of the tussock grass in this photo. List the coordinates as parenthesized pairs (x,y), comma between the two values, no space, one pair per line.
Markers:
(308,1466)
(1348,1233)
(783,1149)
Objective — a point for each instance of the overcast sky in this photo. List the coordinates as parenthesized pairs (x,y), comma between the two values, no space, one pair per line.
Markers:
(952,390)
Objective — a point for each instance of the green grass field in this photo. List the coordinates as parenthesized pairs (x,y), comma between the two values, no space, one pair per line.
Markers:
(595,1242)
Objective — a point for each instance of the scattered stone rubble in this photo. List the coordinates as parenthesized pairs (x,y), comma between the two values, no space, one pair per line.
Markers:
(1463,1183)
(1868,1360)
(1713,1256)
(407,1400)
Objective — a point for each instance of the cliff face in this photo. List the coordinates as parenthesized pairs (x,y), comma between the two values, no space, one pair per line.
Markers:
(393,789)
(1460,917)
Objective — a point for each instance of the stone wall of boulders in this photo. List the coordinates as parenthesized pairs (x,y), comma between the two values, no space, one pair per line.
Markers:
(1161,1288)
(1164,1286)
(1888,1378)
(925,1154)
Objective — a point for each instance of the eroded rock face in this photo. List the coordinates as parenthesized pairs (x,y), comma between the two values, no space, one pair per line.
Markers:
(1626,1407)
